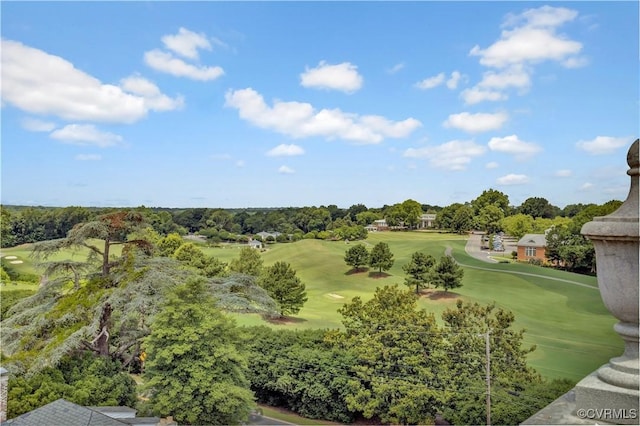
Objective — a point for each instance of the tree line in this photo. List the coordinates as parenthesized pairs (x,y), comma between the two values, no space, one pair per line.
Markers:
(490,212)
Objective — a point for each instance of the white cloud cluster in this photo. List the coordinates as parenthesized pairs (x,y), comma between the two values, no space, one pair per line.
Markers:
(604,144)
(453,155)
(397,67)
(512,179)
(286,170)
(476,123)
(514,146)
(301,120)
(284,150)
(343,77)
(186,44)
(40,83)
(85,134)
(437,80)
(528,39)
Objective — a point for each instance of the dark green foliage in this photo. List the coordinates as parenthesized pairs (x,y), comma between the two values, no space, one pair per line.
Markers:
(282,284)
(82,379)
(381,257)
(299,371)
(357,256)
(447,273)
(418,270)
(195,370)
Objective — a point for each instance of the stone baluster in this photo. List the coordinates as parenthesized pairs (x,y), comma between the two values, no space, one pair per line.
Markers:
(612,392)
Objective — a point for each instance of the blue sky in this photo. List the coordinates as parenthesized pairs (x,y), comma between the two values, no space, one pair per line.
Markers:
(221,104)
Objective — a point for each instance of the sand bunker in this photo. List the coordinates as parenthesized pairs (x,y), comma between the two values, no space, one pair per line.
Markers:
(335,296)
(15,262)
(11,257)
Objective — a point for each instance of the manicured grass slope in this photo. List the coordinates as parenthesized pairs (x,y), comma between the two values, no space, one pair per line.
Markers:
(568,323)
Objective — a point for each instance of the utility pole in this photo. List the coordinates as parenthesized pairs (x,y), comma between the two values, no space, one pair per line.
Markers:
(488,364)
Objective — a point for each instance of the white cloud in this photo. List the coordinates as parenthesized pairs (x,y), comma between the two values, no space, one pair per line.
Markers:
(343,77)
(452,155)
(167,63)
(431,82)
(240,164)
(512,179)
(563,173)
(85,134)
(88,157)
(492,165)
(35,125)
(513,145)
(586,186)
(154,99)
(301,120)
(476,123)
(286,170)
(396,68)
(604,144)
(40,83)
(453,81)
(476,95)
(528,38)
(514,76)
(186,43)
(284,150)
(535,40)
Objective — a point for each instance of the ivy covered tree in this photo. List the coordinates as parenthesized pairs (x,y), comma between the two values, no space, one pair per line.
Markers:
(417,270)
(357,256)
(195,370)
(282,284)
(447,274)
(381,257)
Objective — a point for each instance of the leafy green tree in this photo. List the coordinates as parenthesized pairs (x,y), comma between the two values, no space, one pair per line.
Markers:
(82,379)
(463,220)
(491,196)
(444,219)
(300,371)
(489,219)
(381,257)
(538,207)
(398,376)
(517,225)
(7,239)
(249,262)
(195,370)
(418,270)
(357,256)
(467,327)
(282,284)
(447,273)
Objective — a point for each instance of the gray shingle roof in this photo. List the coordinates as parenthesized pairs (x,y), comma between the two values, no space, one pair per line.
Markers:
(533,240)
(63,413)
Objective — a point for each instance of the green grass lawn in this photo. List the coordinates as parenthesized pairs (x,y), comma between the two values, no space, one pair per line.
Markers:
(568,323)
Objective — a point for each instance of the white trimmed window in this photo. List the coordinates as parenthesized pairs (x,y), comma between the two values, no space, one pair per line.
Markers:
(530,251)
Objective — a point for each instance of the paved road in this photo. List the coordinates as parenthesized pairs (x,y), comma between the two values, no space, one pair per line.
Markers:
(473,249)
(264,420)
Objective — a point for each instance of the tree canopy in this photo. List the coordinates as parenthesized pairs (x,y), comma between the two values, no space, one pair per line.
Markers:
(418,269)
(282,284)
(195,369)
(357,256)
(381,257)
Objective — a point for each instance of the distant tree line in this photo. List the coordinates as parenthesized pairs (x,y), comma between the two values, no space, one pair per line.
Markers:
(490,212)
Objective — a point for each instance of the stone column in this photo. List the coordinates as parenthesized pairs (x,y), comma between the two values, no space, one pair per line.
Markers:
(612,392)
